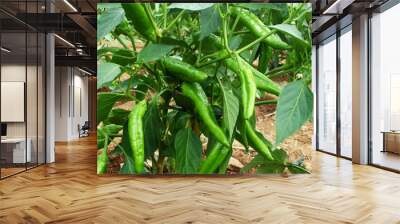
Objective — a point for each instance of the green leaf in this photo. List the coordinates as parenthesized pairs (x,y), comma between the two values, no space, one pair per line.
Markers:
(104,133)
(256,161)
(153,52)
(280,155)
(108,20)
(128,167)
(118,116)
(152,127)
(191,6)
(180,121)
(230,111)
(296,169)
(294,108)
(265,57)
(174,42)
(108,5)
(112,129)
(271,167)
(188,152)
(119,56)
(107,72)
(256,6)
(210,21)
(105,102)
(291,30)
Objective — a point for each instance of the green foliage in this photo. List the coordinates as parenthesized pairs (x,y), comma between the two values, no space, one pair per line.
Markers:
(294,109)
(105,102)
(153,52)
(188,151)
(210,21)
(231,110)
(107,73)
(198,69)
(108,20)
(191,6)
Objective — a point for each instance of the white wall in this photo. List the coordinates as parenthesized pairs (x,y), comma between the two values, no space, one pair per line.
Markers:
(71,94)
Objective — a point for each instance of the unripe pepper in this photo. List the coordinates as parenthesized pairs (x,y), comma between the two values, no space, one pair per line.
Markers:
(248,88)
(102,159)
(195,93)
(214,159)
(183,70)
(136,13)
(258,28)
(256,142)
(262,82)
(136,136)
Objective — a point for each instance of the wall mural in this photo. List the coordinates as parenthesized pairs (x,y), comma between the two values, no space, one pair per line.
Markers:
(188,88)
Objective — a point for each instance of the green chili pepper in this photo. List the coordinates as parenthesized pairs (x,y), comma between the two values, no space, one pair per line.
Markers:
(136,136)
(136,13)
(257,143)
(262,82)
(248,88)
(195,93)
(183,70)
(258,28)
(211,157)
(102,159)
(214,159)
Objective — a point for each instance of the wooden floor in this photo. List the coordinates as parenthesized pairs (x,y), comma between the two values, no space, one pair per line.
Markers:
(70,192)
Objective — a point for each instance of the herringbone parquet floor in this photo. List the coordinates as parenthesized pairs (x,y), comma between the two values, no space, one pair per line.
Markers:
(70,192)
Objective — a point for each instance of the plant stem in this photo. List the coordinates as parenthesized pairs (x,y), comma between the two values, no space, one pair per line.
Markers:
(176,19)
(238,51)
(278,73)
(266,102)
(215,60)
(234,25)
(278,69)
(122,42)
(226,44)
(209,56)
(165,12)
(153,22)
(133,43)
(254,42)
(198,55)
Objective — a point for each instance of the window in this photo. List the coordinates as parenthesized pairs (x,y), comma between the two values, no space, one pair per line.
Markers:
(346,75)
(385,89)
(327,95)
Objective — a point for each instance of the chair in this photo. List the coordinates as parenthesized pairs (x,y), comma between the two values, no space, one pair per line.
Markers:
(84,130)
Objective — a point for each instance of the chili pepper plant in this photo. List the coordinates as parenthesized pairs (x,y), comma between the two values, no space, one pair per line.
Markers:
(179,83)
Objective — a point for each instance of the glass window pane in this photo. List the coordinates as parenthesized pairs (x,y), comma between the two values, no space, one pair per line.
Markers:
(385,89)
(346,93)
(41,98)
(327,96)
(13,86)
(31,99)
